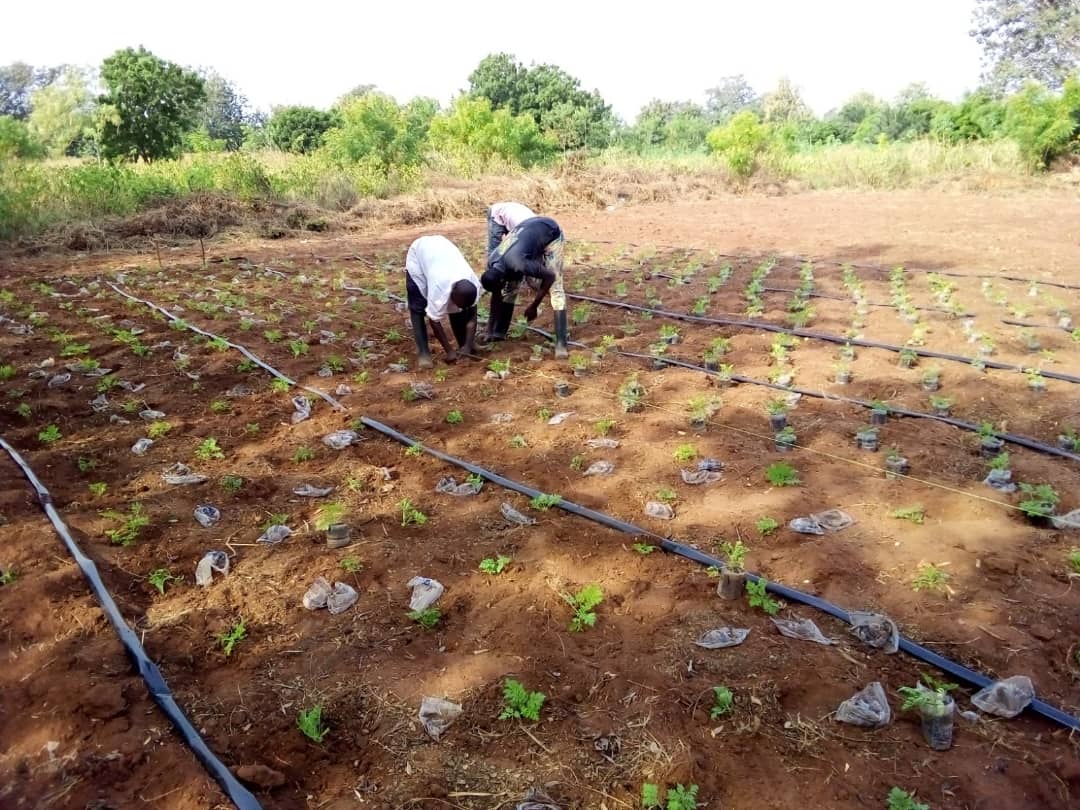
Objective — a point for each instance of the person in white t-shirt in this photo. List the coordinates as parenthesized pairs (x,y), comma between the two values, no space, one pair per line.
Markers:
(502,218)
(440,282)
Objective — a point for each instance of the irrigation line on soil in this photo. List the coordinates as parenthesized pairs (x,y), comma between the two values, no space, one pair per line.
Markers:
(337,406)
(151,675)
(806,333)
(954,669)
(1022,441)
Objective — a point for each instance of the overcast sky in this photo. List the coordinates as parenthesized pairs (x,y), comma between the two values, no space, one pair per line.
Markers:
(312,52)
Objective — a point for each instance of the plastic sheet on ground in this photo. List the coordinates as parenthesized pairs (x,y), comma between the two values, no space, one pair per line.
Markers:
(342,598)
(876,630)
(118,420)
(868,708)
(425,592)
(832,520)
(180,474)
(722,637)
(309,491)
(397,368)
(502,418)
(274,535)
(801,629)
(699,477)
(141,446)
(660,511)
(302,408)
(805,525)
(59,379)
(99,404)
(1070,520)
(559,418)
(1005,698)
(710,465)
(150,415)
(423,390)
(514,516)
(340,439)
(602,444)
(207,515)
(536,799)
(239,390)
(342,390)
(212,561)
(448,486)
(600,468)
(1001,480)
(437,715)
(325,371)
(315,597)
(130,387)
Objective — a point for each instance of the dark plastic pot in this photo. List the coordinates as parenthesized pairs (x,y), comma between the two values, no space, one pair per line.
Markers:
(1001,480)
(732,585)
(338,535)
(991,446)
(941,411)
(1042,521)
(895,467)
(1065,322)
(846,353)
(867,440)
(670,340)
(931,385)
(1037,386)
(659,363)
(562,389)
(1066,443)
(580,372)
(843,377)
(937,724)
(711,365)
(698,425)
(777,421)
(784,445)
(878,416)
(906,362)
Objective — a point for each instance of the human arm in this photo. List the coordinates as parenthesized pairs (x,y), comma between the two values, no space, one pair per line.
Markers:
(547,278)
(444,341)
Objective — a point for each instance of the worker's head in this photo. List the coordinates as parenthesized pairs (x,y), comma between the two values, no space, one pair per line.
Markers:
(491,280)
(463,294)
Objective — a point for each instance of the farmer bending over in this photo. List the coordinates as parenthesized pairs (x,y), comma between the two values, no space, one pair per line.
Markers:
(438,282)
(533,251)
(502,218)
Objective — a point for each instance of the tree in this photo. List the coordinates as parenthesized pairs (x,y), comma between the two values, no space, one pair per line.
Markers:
(62,114)
(16,141)
(739,142)
(1045,125)
(150,105)
(675,124)
(223,113)
(374,128)
(18,81)
(357,92)
(551,96)
(1027,40)
(470,128)
(784,103)
(298,129)
(733,95)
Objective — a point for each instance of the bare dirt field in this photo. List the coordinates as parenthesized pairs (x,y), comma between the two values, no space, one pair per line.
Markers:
(629,700)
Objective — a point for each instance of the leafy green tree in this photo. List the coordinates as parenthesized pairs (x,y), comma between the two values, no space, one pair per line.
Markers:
(1044,124)
(298,129)
(357,92)
(1027,40)
(223,113)
(375,128)
(62,114)
(740,142)
(976,117)
(679,125)
(731,96)
(18,81)
(785,103)
(150,105)
(471,128)
(16,141)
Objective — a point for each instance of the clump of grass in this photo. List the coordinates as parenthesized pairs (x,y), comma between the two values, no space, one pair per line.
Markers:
(916,514)
(781,474)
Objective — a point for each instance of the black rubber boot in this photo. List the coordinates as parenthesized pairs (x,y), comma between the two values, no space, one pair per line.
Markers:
(502,315)
(419,330)
(561,335)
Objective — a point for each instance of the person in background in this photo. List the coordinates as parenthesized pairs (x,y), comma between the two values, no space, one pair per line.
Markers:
(502,218)
(438,282)
(534,251)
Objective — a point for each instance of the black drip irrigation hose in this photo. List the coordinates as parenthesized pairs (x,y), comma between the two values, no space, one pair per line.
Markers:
(825,336)
(151,675)
(955,670)
(868,303)
(337,406)
(1012,438)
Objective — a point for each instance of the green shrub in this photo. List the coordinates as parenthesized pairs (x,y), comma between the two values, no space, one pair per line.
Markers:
(739,142)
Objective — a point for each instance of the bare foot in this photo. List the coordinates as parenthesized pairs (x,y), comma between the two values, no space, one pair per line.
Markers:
(424,361)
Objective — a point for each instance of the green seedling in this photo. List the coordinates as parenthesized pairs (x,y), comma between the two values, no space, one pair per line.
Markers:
(50,435)
(902,800)
(544,502)
(220,406)
(604,426)
(428,618)
(410,515)
(74,349)
(107,383)
(232,484)
(577,463)
(86,464)
(351,565)
(131,524)
(666,495)
(643,549)
(781,474)
(930,699)
(758,596)
(735,554)
(97,488)
(685,452)
(916,514)
(701,306)
(682,798)
(494,565)
(415,450)
(440,375)
(298,348)
(930,577)
(580,314)
(155,430)
(228,639)
(475,481)
(455,417)
(329,514)
(393,335)
(24,410)
(543,414)
(519,703)
(251,428)
(208,450)
(7,577)
(310,723)
(500,367)
(1040,500)
(161,577)
(1000,461)
(361,377)
(218,345)
(723,702)
(276,519)
(631,394)
(766,526)
(1074,560)
(583,603)
(335,363)
(303,454)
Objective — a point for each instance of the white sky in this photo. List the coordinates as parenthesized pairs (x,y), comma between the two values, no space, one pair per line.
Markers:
(312,52)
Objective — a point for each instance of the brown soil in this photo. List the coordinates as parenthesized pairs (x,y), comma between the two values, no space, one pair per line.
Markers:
(1010,607)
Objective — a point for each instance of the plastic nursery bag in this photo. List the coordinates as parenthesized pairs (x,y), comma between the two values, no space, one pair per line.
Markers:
(437,715)
(514,516)
(212,561)
(658,510)
(339,439)
(876,630)
(448,486)
(699,477)
(315,597)
(341,598)
(302,406)
(425,592)
(868,708)
(602,444)
(1005,698)
(600,468)
(559,418)
(722,637)
(274,535)
(180,474)
(536,799)
(207,515)
(309,491)
(802,629)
